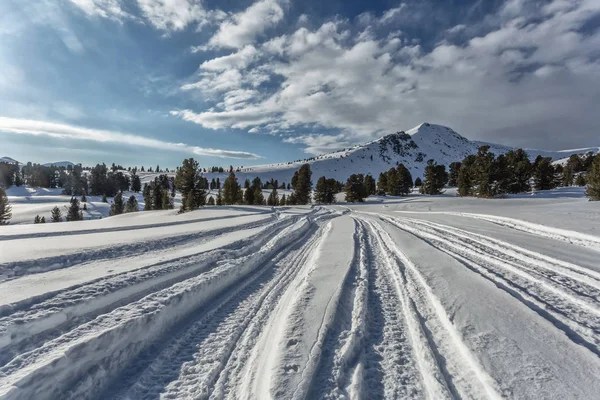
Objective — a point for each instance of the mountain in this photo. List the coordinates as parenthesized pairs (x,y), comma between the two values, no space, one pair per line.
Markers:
(8,160)
(59,164)
(412,148)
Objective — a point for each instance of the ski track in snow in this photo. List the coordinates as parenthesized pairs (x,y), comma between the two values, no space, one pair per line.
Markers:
(319,304)
(565,294)
(577,238)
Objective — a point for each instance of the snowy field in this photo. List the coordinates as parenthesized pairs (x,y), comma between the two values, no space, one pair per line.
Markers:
(417,297)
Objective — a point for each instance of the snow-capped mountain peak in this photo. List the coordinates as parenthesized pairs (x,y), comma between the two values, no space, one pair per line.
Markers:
(413,148)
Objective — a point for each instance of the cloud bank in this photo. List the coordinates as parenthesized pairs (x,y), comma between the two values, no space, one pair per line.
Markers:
(62,131)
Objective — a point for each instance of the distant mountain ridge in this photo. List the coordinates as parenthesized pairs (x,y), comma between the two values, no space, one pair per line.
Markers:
(9,160)
(413,148)
(59,164)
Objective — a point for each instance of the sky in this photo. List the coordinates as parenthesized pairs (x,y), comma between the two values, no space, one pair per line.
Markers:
(246,82)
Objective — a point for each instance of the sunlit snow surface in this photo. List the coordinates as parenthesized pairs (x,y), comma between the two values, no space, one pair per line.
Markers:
(415,297)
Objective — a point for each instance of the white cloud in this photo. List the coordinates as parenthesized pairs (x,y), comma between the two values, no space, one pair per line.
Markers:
(240,118)
(365,84)
(242,28)
(238,60)
(173,15)
(319,143)
(165,15)
(389,15)
(63,131)
(111,9)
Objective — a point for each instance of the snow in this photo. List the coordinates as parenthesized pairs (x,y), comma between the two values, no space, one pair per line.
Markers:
(434,297)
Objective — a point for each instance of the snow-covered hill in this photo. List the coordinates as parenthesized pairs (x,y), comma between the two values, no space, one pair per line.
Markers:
(60,164)
(9,160)
(412,148)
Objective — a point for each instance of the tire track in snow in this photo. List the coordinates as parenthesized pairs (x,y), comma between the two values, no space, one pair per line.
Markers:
(16,236)
(578,316)
(85,360)
(231,377)
(447,366)
(27,328)
(565,235)
(191,364)
(340,370)
(11,270)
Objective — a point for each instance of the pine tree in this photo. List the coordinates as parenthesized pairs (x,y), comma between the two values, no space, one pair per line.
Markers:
(575,163)
(104,199)
(355,188)
(435,178)
(370,185)
(56,215)
(326,189)
(483,172)
(543,175)
(219,182)
(593,180)
(85,207)
(259,199)
(43,220)
(580,180)
(520,170)
(273,199)
(453,173)
(502,175)
(117,207)
(211,201)
(282,201)
(405,182)
(303,184)
(131,205)
(37,219)
(157,196)
(418,182)
(291,200)
(5,208)
(219,198)
(382,184)
(393,182)
(83,198)
(249,196)
(136,183)
(230,189)
(568,176)
(191,184)
(465,176)
(166,201)
(148,198)
(73,212)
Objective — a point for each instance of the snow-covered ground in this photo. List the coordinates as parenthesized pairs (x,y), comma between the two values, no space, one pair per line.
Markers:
(417,297)
(28,202)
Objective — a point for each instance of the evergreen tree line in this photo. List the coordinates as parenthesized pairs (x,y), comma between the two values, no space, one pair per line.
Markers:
(486,175)
(159,194)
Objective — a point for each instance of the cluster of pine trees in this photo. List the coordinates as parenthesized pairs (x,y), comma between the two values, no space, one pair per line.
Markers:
(486,175)
(326,189)
(395,182)
(159,194)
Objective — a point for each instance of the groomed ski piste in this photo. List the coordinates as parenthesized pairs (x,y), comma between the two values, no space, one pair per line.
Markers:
(418,297)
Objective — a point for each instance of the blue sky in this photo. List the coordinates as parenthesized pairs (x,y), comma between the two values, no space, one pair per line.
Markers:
(252,82)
